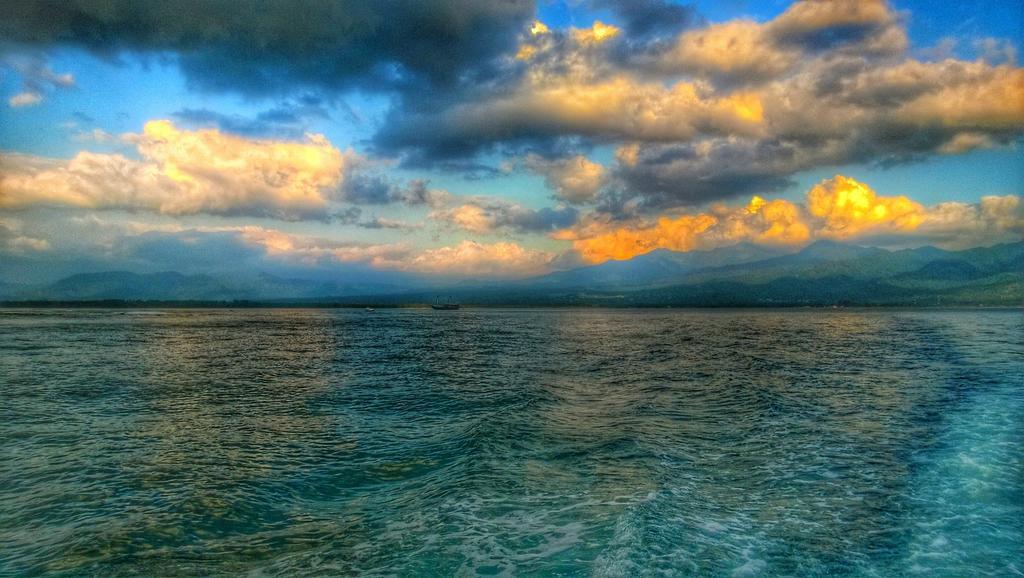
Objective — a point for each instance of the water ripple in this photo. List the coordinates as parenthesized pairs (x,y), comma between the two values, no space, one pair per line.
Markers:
(563,442)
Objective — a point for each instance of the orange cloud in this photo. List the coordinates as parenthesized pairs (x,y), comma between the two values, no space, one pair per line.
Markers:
(619,107)
(777,222)
(598,33)
(740,47)
(839,208)
(679,234)
(847,208)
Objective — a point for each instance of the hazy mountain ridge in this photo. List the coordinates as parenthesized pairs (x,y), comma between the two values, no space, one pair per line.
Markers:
(171,286)
(823,273)
(659,267)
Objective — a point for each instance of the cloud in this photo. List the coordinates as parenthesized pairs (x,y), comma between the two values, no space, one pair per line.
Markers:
(186,172)
(713,109)
(36,77)
(348,216)
(848,209)
(777,222)
(722,110)
(289,119)
(384,223)
(669,175)
(492,215)
(264,124)
(868,25)
(598,33)
(13,240)
(960,225)
(840,208)
(881,115)
(474,259)
(367,186)
(736,50)
(643,18)
(96,135)
(253,47)
(225,247)
(744,51)
(25,99)
(607,109)
(96,243)
(996,50)
(573,180)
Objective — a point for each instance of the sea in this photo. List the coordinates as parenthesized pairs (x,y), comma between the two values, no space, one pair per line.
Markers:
(517,442)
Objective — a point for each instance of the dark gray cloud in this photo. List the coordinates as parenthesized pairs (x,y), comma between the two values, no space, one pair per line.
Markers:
(440,136)
(823,84)
(290,119)
(674,175)
(370,189)
(546,219)
(349,216)
(362,187)
(259,47)
(866,26)
(494,215)
(645,18)
(382,223)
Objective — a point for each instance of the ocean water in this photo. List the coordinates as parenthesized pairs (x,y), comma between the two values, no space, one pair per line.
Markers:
(512,442)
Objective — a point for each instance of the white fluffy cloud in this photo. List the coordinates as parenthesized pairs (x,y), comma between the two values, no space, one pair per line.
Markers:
(37,77)
(467,258)
(474,259)
(184,172)
(14,240)
(574,180)
(25,99)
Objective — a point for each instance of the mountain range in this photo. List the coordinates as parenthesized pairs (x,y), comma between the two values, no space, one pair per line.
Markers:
(821,274)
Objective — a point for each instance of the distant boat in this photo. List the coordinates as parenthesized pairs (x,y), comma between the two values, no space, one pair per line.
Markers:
(446,306)
(370,309)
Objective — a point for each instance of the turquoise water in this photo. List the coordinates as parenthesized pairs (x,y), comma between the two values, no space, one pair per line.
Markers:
(518,442)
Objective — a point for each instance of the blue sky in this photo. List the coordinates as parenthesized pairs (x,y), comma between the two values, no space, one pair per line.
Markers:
(483,158)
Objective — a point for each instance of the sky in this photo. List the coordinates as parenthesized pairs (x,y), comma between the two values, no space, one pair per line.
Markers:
(462,139)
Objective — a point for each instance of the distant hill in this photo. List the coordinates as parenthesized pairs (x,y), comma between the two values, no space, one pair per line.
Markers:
(821,274)
(173,286)
(659,267)
(126,285)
